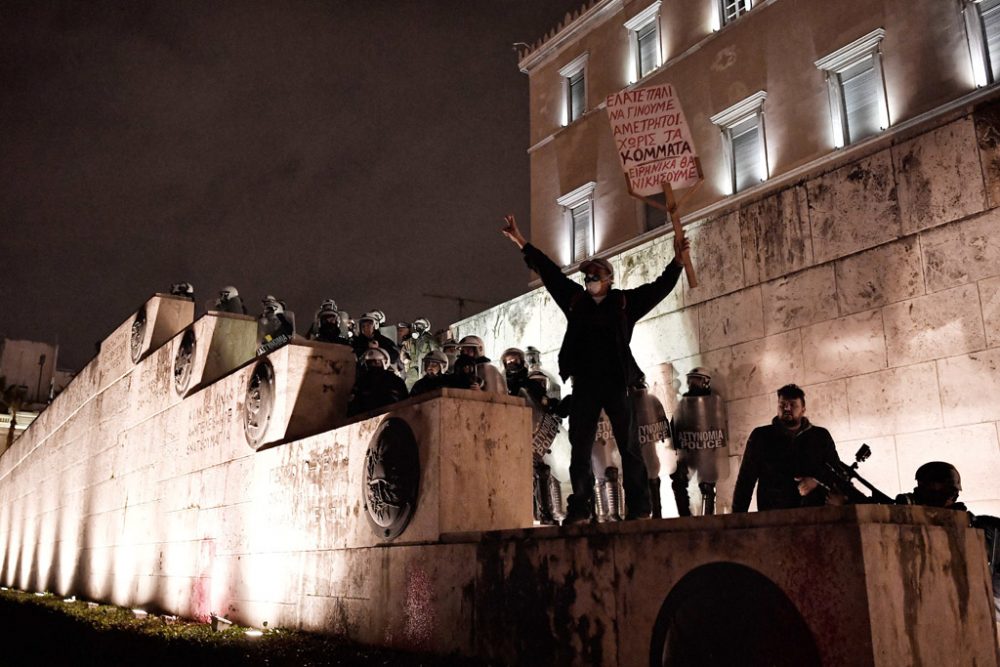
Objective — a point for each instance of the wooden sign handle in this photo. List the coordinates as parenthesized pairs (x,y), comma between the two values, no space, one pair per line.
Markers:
(672,209)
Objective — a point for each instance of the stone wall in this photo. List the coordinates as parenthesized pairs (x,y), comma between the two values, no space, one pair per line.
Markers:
(875,286)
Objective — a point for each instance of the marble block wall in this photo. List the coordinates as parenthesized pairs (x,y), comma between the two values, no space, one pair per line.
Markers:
(875,286)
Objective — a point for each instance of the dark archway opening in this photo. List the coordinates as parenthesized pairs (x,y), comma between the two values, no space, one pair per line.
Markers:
(729,614)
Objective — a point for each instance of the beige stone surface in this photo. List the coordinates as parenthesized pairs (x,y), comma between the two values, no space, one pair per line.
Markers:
(731,319)
(934,326)
(745,415)
(974,450)
(880,276)
(853,208)
(987,126)
(644,264)
(989,296)
(668,336)
(775,235)
(938,176)
(844,347)
(962,252)
(969,386)
(799,299)
(894,401)
(826,406)
(717,258)
(761,366)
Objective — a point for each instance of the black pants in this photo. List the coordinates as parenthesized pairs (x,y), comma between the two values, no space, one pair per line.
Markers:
(590,396)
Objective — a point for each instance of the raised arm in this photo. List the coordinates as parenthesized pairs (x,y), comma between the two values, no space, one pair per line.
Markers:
(559,286)
(642,299)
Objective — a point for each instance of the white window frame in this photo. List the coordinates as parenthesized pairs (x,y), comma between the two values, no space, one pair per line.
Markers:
(720,8)
(843,59)
(649,15)
(569,201)
(982,71)
(737,114)
(571,69)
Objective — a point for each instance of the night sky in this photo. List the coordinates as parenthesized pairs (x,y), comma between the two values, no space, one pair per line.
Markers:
(364,151)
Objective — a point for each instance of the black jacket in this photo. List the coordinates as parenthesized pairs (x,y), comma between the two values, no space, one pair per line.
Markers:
(581,311)
(774,457)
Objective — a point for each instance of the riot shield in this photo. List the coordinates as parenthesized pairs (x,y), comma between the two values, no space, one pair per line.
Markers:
(653,426)
(493,380)
(700,435)
(544,428)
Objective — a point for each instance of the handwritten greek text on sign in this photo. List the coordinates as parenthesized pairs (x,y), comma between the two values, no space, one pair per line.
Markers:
(652,139)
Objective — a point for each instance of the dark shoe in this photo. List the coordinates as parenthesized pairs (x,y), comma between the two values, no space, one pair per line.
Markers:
(654,498)
(577,511)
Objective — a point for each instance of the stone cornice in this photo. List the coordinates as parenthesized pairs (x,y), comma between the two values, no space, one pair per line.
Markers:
(571,30)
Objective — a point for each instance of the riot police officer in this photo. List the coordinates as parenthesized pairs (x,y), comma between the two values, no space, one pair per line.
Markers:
(700,438)
(275,326)
(326,325)
(376,386)
(418,343)
(435,366)
(229,301)
(472,348)
(368,336)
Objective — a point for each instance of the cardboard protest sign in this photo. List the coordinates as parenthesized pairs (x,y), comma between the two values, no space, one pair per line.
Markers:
(653,139)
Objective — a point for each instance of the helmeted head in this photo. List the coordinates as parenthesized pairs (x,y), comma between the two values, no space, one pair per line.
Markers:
(228,292)
(435,362)
(938,484)
(375,358)
(450,349)
(791,405)
(513,360)
(471,346)
(328,312)
(539,378)
(533,357)
(368,323)
(403,330)
(699,378)
(185,290)
(421,325)
(598,276)
(272,306)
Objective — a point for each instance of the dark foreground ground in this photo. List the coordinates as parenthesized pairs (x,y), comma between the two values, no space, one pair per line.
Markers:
(45,631)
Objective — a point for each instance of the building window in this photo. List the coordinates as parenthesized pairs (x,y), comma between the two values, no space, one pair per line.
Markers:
(644,42)
(982,23)
(730,10)
(742,127)
(578,207)
(857,89)
(574,89)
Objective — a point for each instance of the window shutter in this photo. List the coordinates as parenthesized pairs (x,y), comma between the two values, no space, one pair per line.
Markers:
(990,11)
(581,231)
(576,96)
(858,84)
(746,153)
(648,60)
(731,9)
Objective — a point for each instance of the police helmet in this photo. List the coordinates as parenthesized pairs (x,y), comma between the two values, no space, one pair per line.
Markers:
(701,372)
(376,357)
(541,378)
(435,356)
(474,342)
(515,355)
(182,289)
(228,292)
(421,324)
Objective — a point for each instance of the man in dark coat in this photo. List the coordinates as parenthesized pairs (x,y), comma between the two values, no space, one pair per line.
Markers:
(369,336)
(595,353)
(785,459)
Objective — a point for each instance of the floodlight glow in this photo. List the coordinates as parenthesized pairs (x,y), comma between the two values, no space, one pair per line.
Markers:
(253,633)
(139,613)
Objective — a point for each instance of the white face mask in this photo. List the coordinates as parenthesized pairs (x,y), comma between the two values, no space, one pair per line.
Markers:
(595,287)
